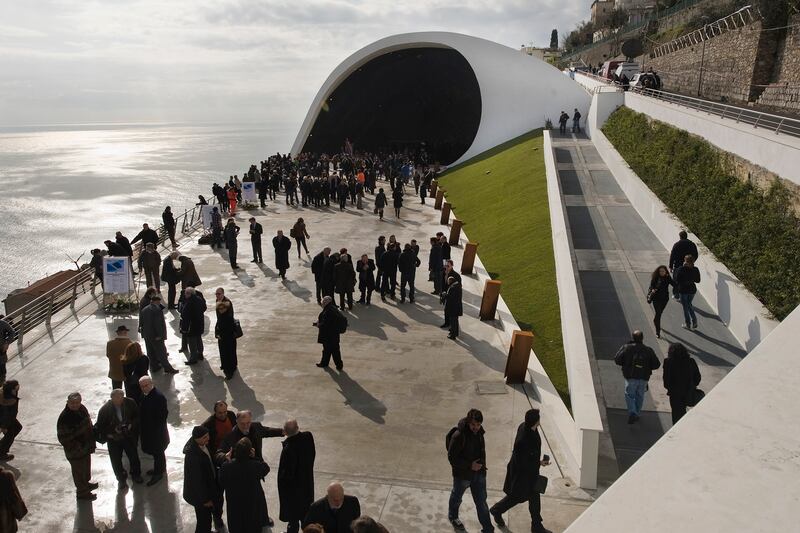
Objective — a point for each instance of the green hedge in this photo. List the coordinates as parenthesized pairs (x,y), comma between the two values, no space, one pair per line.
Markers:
(755,234)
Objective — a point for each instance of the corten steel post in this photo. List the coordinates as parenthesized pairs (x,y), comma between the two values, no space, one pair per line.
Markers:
(468,259)
(445,214)
(518,355)
(455,232)
(491,293)
(439,199)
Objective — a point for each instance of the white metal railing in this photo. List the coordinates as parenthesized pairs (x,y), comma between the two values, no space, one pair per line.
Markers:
(739,19)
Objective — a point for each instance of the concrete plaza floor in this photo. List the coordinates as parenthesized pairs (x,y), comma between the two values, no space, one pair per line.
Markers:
(379,425)
(616,254)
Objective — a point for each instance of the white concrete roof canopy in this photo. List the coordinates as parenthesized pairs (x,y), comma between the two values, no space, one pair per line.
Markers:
(518,92)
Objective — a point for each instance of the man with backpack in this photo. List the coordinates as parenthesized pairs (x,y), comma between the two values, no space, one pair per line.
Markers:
(637,361)
(466,451)
(331,324)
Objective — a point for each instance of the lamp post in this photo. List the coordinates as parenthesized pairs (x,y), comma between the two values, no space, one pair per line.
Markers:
(702,59)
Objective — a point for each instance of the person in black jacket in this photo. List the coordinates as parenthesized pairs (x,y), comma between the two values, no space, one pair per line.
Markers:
(407,264)
(118,426)
(241,478)
(686,277)
(115,249)
(366,279)
(466,451)
(335,512)
(435,265)
(681,377)
(388,267)
(317,268)
(171,276)
(379,251)
(231,233)
(169,225)
(328,323)
(146,235)
(658,294)
(193,323)
(329,274)
(522,474)
(200,489)
(225,332)
(282,245)
(453,306)
(9,407)
(219,425)
(638,362)
(256,230)
(345,280)
(154,432)
(296,475)
(134,365)
(680,250)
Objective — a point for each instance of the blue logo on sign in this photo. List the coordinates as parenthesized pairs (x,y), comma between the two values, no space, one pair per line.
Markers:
(114,266)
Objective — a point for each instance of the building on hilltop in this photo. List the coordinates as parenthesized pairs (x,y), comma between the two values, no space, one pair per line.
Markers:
(549,55)
(638,10)
(601,12)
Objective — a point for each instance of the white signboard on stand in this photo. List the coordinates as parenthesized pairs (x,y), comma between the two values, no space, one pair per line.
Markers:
(205,213)
(117,275)
(249,191)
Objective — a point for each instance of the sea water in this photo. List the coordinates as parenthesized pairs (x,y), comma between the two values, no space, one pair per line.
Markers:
(67,188)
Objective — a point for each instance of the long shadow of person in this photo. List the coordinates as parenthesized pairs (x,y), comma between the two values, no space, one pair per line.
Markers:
(297,290)
(243,397)
(162,507)
(206,386)
(268,273)
(358,398)
(84,518)
(137,521)
(166,384)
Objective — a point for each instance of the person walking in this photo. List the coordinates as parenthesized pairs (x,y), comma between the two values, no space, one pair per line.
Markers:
(240,478)
(225,333)
(296,475)
(200,487)
(118,427)
(169,225)
(562,123)
(638,362)
(658,294)
(12,507)
(407,263)
(466,451)
(154,432)
(231,235)
(115,351)
(522,474)
(171,275)
(345,281)
(397,199)
(576,121)
(335,512)
(193,323)
(331,324)
(282,246)
(686,278)
(681,378)
(134,365)
(299,234)
(366,279)
(9,425)
(76,435)
(453,306)
(256,230)
(683,247)
(150,262)
(317,268)
(380,203)
(154,332)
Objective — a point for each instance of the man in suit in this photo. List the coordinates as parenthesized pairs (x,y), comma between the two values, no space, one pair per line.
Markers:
(296,475)
(153,422)
(335,512)
(317,268)
(255,239)
(200,489)
(193,322)
(118,426)
(154,332)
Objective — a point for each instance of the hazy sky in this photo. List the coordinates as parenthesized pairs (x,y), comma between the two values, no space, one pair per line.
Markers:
(77,61)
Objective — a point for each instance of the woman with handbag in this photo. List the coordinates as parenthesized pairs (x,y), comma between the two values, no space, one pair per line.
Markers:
(681,378)
(658,294)
(225,332)
(523,482)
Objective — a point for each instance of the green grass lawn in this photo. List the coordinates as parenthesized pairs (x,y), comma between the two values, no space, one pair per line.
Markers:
(501,195)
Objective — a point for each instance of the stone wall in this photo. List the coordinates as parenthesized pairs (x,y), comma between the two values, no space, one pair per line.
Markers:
(760,177)
(784,94)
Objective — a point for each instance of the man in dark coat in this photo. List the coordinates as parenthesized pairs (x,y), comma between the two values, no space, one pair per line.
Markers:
(146,235)
(345,278)
(241,478)
(200,489)
(680,250)
(317,267)
(379,251)
(124,243)
(407,263)
(171,276)
(76,435)
(335,512)
(388,266)
(219,425)
(329,274)
(329,324)
(366,279)
(453,306)
(638,362)
(282,246)
(466,451)
(296,475)
(255,433)
(435,265)
(154,332)
(231,233)
(189,276)
(118,426)
(255,239)
(153,422)
(115,249)
(193,323)
(522,474)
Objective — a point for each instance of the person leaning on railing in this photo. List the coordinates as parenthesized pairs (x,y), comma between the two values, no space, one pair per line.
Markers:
(7,334)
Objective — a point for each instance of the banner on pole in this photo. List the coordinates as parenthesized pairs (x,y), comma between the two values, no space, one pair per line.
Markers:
(249,191)
(117,275)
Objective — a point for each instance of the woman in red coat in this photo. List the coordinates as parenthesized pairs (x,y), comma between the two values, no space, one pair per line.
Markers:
(232,199)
